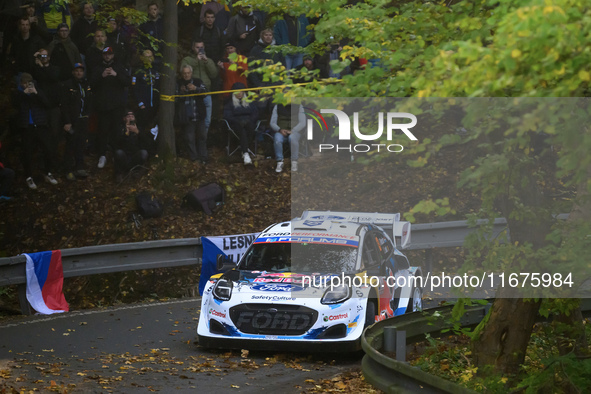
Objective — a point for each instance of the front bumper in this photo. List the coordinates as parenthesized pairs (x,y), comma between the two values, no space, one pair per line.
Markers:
(279,345)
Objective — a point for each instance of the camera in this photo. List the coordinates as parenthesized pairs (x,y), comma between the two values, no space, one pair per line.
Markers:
(132,123)
(202,51)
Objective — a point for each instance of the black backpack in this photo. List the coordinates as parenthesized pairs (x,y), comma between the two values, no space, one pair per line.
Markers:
(148,205)
(207,198)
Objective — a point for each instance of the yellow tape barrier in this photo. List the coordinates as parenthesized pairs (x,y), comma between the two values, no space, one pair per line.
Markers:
(165,97)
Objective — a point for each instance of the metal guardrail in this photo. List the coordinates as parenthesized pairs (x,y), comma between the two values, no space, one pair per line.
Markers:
(394,376)
(105,259)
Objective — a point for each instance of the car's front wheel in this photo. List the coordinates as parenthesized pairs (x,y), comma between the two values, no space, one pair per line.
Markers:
(416,302)
(370,313)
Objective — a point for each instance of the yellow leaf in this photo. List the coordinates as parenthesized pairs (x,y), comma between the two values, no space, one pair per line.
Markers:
(584,75)
(515,53)
(561,71)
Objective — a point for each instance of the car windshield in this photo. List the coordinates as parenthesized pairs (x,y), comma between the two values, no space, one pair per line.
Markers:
(300,258)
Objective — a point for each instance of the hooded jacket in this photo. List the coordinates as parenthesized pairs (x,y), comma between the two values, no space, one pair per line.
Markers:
(64,54)
(240,24)
(31,107)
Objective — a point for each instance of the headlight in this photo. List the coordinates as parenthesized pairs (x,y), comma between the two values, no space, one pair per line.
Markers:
(336,295)
(223,289)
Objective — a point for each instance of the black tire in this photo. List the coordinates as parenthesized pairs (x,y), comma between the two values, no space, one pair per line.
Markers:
(370,313)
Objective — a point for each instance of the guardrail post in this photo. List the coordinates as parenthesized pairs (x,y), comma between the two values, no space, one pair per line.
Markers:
(428,260)
(389,339)
(22,299)
(401,346)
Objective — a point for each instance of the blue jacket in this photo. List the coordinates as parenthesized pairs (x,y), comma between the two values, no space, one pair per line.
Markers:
(31,108)
(303,35)
(146,85)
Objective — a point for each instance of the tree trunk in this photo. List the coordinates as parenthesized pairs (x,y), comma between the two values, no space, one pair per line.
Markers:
(504,337)
(503,341)
(167,146)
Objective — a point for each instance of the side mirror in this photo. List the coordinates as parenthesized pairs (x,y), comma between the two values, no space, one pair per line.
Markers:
(224,264)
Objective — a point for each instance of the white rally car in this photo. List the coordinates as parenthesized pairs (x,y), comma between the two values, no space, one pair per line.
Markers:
(313,281)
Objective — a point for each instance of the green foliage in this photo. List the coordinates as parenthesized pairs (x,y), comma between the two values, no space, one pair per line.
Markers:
(440,206)
(543,371)
(4,291)
(561,374)
(448,358)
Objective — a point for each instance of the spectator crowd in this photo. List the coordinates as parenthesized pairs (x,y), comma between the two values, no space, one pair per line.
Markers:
(89,78)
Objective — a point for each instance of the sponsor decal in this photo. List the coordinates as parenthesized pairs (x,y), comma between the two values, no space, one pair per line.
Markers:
(319,234)
(352,325)
(328,217)
(282,274)
(315,240)
(278,280)
(268,320)
(336,317)
(312,223)
(273,235)
(283,287)
(272,298)
(213,312)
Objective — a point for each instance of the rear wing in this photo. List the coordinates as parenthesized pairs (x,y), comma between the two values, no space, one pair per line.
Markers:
(400,229)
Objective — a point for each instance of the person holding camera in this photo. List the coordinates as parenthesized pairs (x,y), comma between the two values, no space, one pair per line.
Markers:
(244,29)
(31,104)
(108,81)
(75,103)
(204,69)
(128,149)
(47,76)
(190,114)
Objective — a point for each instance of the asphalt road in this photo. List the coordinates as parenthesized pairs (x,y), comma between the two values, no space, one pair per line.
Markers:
(145,347)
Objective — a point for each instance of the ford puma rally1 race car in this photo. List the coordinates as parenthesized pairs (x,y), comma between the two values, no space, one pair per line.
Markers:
(312,281)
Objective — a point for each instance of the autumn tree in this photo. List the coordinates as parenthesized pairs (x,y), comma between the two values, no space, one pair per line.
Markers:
(483,48)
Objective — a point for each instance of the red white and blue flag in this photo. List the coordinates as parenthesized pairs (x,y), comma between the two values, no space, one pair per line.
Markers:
(45,280)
